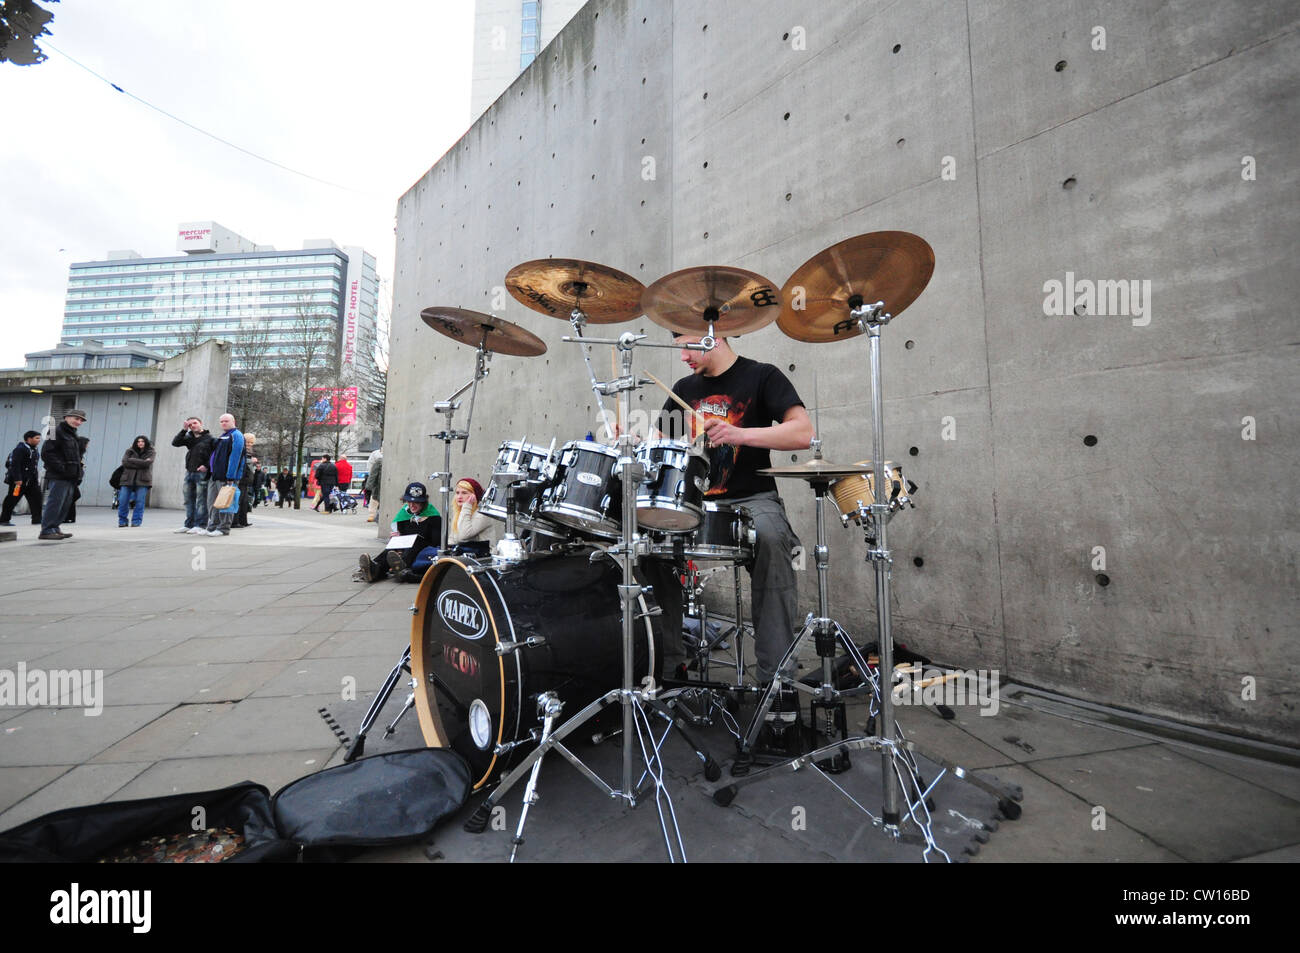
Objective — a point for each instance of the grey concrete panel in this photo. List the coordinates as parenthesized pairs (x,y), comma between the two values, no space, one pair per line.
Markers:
(18,783)
(148,684)
(1159,197)
(1283,779)
(1015,48)
(1183,557)
(243,730)
(1135,786)
(240,683)
(1025,735)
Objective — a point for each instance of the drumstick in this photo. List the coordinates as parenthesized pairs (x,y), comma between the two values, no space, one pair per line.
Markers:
(680,403)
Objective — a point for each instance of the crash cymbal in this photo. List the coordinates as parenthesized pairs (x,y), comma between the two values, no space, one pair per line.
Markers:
(815,469)
(554,286)
(893,267)
(736,300)
(494,334)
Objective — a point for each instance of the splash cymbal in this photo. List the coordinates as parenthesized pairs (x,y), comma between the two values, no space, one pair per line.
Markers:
(555,286)
(893,267)
(494,334)
(737,301)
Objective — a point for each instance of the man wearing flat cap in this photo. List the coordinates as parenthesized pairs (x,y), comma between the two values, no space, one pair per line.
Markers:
(61,455)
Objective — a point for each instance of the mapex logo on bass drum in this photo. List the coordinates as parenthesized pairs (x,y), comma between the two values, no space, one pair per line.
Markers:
(462,614)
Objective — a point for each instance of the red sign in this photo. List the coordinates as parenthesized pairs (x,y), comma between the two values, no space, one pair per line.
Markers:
(332,407)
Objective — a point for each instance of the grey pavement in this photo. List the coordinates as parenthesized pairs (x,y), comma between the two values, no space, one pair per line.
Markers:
(218,656)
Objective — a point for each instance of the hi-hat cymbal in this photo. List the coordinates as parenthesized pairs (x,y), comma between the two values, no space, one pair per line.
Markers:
(494,334)
(815,469)
(555,286)
(735,300)
(893,267)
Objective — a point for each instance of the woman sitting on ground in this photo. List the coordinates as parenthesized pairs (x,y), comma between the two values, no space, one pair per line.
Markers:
(417,517)
(469,528)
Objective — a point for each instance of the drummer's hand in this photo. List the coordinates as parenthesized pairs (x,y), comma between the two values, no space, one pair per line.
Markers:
(721,433)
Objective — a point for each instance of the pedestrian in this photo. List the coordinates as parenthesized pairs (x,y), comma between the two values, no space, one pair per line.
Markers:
(22,479)
(137,478)
(375,466)
(198,444)
(226,466)
(246,491)
(345,474)
(284,485)
(71,517)
(62,458)
(327,477)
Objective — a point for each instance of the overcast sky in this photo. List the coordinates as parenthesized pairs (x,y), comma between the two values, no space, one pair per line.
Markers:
(364,95)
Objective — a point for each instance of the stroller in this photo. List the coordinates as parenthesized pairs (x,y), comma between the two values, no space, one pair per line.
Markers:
(344,502)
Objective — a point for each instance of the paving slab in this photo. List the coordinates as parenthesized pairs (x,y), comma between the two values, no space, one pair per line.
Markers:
(11,653)
(109,656)
(273,771)
(48,736)
(263,725)
(1058,826)
(163,736)
(163,683)
(18,783)
(1280,778)
(84,784)
(240,683)
(1192,809)
(1023,734)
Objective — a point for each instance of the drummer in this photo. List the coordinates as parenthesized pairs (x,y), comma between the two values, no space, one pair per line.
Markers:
(749,409)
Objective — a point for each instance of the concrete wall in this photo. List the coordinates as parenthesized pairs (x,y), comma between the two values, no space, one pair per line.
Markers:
(1021,151)
(204,385)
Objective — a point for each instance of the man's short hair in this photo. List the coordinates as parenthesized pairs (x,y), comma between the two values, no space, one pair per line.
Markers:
(30,434)
(194,417)
(325,458)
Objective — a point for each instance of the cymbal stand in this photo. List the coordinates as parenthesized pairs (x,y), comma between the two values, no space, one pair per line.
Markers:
(578,319)
(636,702)
(449,435)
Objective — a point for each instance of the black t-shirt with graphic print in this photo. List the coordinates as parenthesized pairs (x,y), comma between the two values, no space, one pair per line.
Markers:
(747,394)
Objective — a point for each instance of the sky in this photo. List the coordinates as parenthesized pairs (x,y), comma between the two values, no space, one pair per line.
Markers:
(364,96)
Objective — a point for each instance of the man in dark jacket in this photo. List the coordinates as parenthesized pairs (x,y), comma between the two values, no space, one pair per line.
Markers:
(226,466)
(22,480)
(327,478)
(199,444)
(62,458)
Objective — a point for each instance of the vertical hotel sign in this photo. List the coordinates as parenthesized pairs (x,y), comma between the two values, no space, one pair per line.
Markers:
(351,305)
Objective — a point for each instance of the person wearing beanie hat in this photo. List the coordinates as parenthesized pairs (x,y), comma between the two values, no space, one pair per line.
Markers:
(417,517)
(469,528)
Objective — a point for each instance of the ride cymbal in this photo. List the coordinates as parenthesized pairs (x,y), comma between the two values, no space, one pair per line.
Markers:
(492,333)
(555,286)
(893,267)
(735,300)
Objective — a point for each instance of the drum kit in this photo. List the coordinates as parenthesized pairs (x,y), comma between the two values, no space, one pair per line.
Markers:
(555,618)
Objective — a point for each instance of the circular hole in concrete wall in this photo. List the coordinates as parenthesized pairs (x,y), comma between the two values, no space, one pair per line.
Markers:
(787,196)
(706,234)
(791,367)
(1103,579)
(1060,66)
(1080,310)
(897,47)
(794,458)
(786,116)
(1069,183)
(706,95)
(706,28)
(706,165)
(913,451)
(1090,441)
(909,345)
(642,80)
(900,142)
(918,562)
(593,67)
(642,142)
(784,37)
(643,201)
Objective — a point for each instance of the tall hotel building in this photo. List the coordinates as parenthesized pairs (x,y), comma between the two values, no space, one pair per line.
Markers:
(223,286)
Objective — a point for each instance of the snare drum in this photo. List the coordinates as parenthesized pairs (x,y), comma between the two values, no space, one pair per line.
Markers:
(584,492)
(671,494)
(726,534)
(519,463)
(855,493)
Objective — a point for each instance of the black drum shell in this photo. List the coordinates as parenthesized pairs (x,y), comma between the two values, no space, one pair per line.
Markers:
(671,495)
(565,599)
(584,492)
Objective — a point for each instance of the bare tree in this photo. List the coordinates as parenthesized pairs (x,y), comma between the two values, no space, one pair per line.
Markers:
(312,355)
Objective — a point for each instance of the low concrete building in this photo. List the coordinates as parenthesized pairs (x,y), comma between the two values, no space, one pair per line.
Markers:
(125,391)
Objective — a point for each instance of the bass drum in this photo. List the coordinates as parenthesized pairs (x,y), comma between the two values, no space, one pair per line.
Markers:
(472,699)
